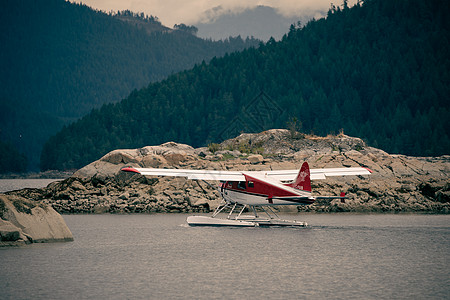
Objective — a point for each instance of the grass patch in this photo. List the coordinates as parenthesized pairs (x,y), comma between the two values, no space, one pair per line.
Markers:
(213,147)
(227,156)
(247,147)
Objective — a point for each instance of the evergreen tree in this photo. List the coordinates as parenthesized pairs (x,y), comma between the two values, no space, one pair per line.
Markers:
(378,70)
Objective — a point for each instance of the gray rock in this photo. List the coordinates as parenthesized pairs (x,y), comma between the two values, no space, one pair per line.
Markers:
(33,223)
(9,232)
(398,183)
(255,159)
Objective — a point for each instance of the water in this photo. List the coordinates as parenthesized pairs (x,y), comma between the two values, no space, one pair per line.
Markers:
(7,185)
(340,256)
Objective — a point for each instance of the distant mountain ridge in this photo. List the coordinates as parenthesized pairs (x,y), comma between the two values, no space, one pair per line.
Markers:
(379,70)
(60,60)
(149,24)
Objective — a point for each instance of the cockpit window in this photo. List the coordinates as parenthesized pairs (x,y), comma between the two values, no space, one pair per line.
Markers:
(251,184)
(241,185)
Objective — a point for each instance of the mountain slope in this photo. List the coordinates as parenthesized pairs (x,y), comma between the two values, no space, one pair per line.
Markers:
(59,60)
(378,70)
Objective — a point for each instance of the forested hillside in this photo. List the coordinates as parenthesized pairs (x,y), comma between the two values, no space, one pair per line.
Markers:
(378,70)
(59,60)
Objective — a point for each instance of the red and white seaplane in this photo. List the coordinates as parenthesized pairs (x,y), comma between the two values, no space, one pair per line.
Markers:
(256,189)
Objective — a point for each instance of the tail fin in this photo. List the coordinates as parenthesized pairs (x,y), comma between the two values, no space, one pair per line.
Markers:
(342,197)
(303,180)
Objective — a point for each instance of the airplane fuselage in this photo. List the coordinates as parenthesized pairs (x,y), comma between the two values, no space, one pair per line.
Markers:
(254,192)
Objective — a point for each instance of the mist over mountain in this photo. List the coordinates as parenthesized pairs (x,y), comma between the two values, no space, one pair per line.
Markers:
(261,22)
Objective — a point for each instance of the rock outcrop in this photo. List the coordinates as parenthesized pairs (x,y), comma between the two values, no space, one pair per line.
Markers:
(398,184)
(24,221)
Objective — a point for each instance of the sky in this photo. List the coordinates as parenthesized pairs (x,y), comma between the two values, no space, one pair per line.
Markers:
(190,12)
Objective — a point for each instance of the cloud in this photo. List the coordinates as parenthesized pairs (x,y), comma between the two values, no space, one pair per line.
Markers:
(172,12)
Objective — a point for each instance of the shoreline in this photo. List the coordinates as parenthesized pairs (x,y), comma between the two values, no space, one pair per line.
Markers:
(52,174)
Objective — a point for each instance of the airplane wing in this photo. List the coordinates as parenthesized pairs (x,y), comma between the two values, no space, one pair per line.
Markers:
(221,175)
(191,174)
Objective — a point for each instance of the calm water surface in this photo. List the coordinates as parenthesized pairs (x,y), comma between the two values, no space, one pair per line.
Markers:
(340,256)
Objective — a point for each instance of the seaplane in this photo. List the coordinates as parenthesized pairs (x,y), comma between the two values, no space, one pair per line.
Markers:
(257,192)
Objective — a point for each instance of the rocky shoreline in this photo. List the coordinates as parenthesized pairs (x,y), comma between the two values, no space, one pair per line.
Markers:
(52,174)
(398,184)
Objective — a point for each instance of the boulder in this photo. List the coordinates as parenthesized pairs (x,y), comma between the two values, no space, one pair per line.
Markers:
(9,232)
(120,157)
(24,221)
(154,161)
(255,159)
